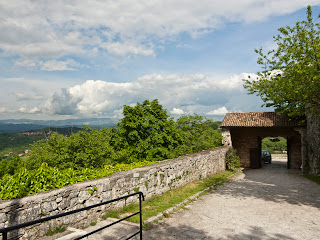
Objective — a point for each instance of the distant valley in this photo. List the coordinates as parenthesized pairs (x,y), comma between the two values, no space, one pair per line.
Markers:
(16,135)
(19,125)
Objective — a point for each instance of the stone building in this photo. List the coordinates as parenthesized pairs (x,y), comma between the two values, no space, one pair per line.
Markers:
(244,132)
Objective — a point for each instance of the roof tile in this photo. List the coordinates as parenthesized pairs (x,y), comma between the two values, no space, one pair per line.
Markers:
(258,119)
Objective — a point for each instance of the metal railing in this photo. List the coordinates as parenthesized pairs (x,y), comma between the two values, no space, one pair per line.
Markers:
(5,231)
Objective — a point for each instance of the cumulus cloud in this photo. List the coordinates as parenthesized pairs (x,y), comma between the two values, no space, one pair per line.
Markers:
(55,29)
(219,111)
(63,103)
(184,94)
(177,111)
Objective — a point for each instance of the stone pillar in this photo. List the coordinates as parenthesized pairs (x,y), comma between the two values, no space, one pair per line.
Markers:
(226,137)
(304,154)
(313,141)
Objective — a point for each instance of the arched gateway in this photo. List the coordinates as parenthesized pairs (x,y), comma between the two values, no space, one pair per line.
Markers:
(244,131)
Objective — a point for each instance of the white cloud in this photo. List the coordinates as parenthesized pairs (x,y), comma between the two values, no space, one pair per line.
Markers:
(37,86)
(184,94)
(61,28)
(125,49)
(177,111)
(219,111)
(118,113)
(53,65)
(29,111)
(22,96)
(25,63)
(63,103)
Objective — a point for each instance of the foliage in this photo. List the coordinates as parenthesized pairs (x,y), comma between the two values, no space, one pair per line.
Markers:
(146,134)
(13,142)
(290,77)
(315,179)
(232,159)
(273,144)
(24,182)
(10,166)
(89,148)
(199,133)
(56,230)
(19,142)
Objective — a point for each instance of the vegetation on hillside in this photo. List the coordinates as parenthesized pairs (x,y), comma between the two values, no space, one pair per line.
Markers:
(12,144)
(145,134)
(274,144)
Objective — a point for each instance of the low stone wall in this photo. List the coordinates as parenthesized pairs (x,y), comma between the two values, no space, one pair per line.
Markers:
(151,180)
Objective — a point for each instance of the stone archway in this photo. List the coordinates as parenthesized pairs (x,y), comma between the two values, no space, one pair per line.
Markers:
(244,132)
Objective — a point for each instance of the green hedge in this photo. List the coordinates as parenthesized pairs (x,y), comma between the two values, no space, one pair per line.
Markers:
(25,182)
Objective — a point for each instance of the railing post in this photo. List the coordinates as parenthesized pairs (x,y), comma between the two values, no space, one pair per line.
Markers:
(4,236)
(4,231)
(140,209)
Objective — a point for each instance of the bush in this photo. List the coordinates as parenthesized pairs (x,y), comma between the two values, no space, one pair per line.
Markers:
(232,159)
(25,182)
(146,134)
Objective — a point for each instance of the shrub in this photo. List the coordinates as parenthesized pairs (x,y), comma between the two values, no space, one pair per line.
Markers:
(232,159)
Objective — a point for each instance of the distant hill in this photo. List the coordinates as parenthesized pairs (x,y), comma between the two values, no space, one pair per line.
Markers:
(19,125)
(14,128)
(18,142)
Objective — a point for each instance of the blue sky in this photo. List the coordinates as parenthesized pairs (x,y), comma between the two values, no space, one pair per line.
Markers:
(76,59)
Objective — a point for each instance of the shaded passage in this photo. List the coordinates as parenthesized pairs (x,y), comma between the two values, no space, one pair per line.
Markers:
(268,203)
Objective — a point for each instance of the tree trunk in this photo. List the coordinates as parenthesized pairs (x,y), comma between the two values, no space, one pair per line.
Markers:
(313,141)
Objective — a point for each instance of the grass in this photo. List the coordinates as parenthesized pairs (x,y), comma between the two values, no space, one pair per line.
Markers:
(58,229)
(111,214)
(313,178)
(158,204)
(93,223)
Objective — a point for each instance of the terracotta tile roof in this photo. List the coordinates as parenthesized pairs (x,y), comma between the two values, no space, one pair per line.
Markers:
(258,119)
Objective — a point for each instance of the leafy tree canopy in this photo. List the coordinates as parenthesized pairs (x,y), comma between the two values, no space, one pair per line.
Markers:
(289,80)
(148,132)
(199,133)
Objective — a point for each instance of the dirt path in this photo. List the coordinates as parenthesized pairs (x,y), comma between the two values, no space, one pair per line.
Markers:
(268,203)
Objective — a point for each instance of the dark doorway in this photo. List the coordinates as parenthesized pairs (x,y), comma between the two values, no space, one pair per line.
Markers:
(255,157)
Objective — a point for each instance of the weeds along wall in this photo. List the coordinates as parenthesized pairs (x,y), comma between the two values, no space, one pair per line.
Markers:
(151,180)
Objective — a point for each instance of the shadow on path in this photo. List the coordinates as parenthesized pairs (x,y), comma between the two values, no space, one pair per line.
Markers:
(277,184)
(184,232)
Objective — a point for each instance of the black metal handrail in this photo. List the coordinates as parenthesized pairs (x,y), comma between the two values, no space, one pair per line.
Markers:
(5,231)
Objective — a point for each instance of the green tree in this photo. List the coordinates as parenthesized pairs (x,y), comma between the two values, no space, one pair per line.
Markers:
(290,77)
(147,132)
(289,80)
(199,133)
(88,148)
(274,144)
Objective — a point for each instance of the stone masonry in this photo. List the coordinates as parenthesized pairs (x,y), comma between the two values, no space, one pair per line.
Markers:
(151,180)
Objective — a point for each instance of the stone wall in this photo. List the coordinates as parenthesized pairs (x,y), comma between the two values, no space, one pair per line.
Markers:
(243,139)
(313,143)
(151,180)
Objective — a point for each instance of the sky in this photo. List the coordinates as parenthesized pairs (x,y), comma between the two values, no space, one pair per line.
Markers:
(67,59)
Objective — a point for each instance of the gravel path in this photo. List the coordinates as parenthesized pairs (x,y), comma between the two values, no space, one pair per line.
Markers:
(268,203)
